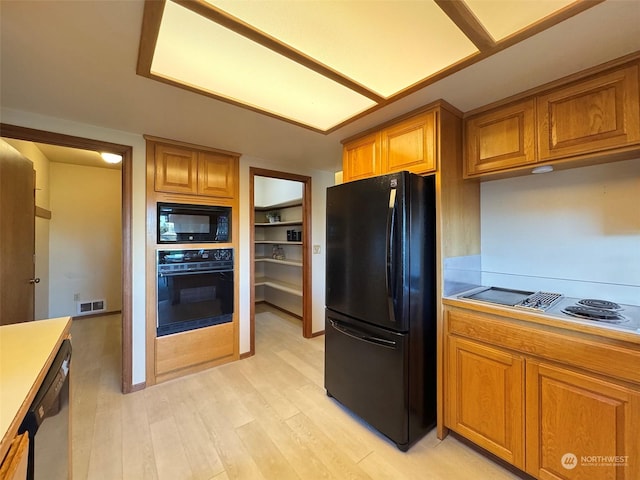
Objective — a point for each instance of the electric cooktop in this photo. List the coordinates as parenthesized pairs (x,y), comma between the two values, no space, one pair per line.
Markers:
(590,311)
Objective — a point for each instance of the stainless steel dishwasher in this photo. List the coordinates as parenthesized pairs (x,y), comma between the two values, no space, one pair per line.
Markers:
(47,422)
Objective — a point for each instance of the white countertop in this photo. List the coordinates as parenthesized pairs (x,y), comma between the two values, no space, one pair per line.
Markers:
(27,351)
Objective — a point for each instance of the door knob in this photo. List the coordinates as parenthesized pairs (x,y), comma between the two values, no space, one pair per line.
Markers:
(34,280)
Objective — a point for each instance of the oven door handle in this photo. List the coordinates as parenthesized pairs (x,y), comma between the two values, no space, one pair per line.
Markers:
(191,272)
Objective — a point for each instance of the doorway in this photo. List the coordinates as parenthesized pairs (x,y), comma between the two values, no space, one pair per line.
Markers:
(40,136)
(280,237)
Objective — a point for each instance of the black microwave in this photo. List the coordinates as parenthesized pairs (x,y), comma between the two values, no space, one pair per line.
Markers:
(182,223)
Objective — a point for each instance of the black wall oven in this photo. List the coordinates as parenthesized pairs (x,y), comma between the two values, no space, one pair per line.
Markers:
(195,289)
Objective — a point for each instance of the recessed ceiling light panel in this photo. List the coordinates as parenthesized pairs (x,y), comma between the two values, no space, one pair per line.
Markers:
(502,18)
(386,46)
(198,52)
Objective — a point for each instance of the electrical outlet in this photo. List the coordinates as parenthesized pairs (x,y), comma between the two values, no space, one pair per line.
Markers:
(76,297)
(316,249)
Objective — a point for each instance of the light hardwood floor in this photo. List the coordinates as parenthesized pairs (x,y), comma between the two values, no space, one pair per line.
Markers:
(265,417)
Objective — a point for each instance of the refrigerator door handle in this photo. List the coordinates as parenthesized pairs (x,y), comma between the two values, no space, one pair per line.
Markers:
(381,342)
(389,272)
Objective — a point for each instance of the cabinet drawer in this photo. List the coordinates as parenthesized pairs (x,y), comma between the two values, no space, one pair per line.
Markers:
(595,354)
(590,116)
(194,347)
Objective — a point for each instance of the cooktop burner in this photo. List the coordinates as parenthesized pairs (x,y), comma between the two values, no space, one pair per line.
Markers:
(596,303)
(594,313)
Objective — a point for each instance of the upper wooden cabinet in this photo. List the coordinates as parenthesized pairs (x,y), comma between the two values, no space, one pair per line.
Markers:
(361,158)
(176,170)
(501,138)
(590,118)
(216,175)
(184,170)
(408,144)
(597,114)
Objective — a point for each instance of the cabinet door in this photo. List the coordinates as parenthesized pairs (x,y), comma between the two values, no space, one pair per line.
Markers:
(361,158)
(176,169)
(500,139)
(579,426)
(410,145)
(486,398)
(14,466)
(590,116)
(216,175)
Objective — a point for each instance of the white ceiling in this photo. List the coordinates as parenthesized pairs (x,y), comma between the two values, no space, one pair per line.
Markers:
(58,154)
(77,61)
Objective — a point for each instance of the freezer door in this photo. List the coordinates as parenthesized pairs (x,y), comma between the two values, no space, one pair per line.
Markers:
(367,256)
(366,370)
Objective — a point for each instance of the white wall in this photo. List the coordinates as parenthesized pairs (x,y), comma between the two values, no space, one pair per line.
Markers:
(85,243)
(576,232)
(273,191)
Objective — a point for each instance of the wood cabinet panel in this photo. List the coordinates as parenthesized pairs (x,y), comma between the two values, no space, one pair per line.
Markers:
(486,398)
(14,466)
(500,139)
(186,349)
(361,158)
(596,114)
(614,361)
(573,418)
(176,170)
(216,175)
(581,401)
(410,145)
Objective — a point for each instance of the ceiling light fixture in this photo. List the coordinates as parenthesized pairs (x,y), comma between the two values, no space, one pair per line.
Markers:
(111,157)
(321,65)
(543,169)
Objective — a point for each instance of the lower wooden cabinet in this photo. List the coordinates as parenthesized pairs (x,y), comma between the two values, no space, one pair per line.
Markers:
(579,426)
(540,402)
(486,398)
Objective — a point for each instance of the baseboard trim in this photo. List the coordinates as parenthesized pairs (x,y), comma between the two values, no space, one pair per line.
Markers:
(137,387)
(246,355)
(288,312)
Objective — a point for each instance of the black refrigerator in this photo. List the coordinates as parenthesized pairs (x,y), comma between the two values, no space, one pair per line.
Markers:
(380,316)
